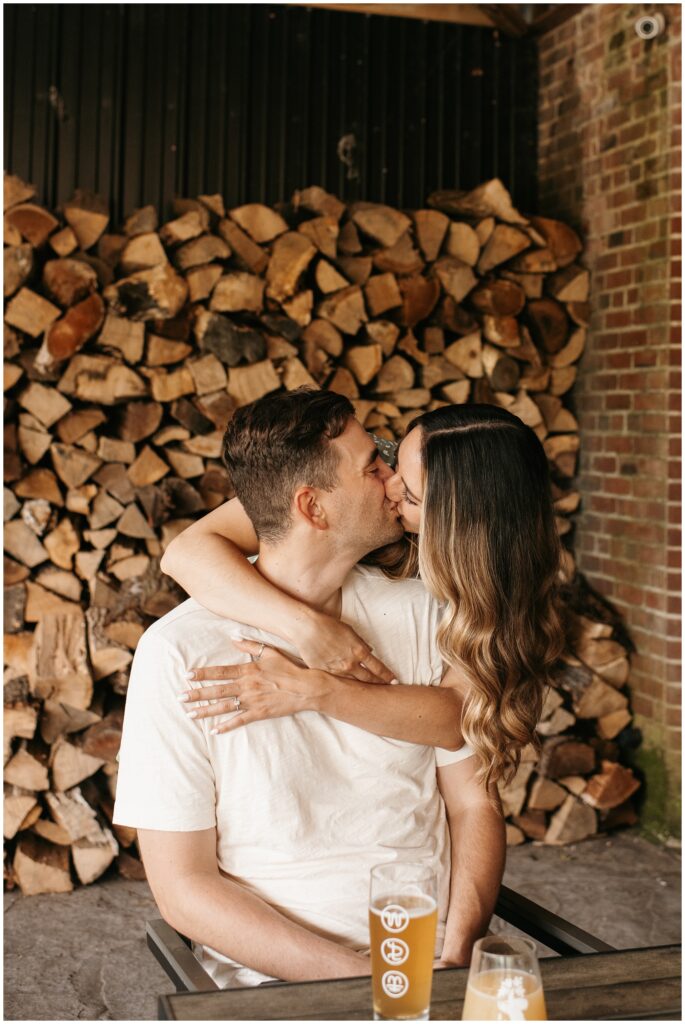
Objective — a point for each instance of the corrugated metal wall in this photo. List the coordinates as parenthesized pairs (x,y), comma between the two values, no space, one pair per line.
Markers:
(142,102)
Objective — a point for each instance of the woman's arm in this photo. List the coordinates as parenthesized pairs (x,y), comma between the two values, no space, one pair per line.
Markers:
(209,561)
(274,686)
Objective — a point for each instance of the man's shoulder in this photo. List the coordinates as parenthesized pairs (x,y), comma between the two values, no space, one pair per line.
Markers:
(187,623)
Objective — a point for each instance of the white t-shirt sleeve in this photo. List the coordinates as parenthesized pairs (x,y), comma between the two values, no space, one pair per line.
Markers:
(444,757)
(165,778)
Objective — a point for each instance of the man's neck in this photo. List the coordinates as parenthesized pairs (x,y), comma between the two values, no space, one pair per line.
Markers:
(307,573)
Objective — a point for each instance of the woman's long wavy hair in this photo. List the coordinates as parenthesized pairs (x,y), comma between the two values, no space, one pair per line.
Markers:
(489,549)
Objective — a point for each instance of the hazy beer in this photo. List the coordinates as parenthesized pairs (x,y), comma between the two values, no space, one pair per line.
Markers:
(504,995)
(403,917)
(504,981)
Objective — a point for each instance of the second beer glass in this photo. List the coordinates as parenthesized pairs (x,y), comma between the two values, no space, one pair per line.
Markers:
(403,917)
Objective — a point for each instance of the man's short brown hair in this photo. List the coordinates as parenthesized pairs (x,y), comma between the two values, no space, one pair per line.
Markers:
(279,443)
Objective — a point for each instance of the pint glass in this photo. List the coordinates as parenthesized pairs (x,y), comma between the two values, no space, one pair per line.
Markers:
(504,981)
(403,917)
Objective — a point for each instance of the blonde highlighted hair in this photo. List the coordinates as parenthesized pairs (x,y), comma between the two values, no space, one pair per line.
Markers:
(489,550)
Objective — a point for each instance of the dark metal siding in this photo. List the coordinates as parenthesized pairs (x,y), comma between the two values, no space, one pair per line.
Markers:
(144,102)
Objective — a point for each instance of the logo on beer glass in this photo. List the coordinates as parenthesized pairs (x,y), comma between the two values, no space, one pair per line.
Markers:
(395,918)
(512,1001)
(395,984)
(394,951)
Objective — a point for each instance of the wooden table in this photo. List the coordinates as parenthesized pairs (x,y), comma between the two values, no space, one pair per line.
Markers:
(636,984)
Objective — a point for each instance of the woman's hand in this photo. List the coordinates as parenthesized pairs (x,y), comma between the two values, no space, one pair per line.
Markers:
(331,645)
(269,687)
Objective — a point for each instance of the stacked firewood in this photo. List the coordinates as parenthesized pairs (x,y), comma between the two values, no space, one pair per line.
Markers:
(125,355)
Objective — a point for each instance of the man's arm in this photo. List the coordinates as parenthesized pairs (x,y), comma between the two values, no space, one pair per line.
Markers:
(201,903)
(477,834)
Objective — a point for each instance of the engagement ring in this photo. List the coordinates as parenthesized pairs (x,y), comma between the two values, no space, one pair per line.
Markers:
(236,703)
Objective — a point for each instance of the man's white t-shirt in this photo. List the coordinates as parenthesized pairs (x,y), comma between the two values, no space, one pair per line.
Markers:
(304,805)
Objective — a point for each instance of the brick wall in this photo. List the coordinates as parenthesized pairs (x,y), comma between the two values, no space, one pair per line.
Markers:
(609,164)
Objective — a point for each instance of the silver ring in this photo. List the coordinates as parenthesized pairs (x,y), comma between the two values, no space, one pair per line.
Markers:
(261,651)
(364,666)
(236,703)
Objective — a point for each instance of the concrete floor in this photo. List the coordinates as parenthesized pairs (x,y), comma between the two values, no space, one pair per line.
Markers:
(82,955)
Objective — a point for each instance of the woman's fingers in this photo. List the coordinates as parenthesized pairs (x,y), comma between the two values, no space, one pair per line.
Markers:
(210,693)
(372,670)
(200,675)
(220,707)
(237,722)
(255,647)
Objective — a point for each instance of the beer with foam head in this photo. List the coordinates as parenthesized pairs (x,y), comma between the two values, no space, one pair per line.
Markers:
(403,917)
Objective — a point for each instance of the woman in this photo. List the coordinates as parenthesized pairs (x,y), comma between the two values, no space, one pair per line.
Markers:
(472,484)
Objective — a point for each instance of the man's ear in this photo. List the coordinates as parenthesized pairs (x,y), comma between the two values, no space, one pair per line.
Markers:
(308,505)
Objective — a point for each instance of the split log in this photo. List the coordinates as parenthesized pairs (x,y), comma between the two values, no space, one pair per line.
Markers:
(571,351)
(571,823)
(357,269)
(101,379)
(364,361)
(344,309)
(504,243)
(40,866)
(17,807)
(182,229)
(382,293)
(502,372)
(431,227)
(323,232)
(248,253)
(248,383)
(562,755)
(142,253)
(467,355)
(236,292)
(400,258)
(498,297)
(561,239)
(438,370)
(88,216)
(395,375)
(463,243)
(16,191)
(348,239)
(343,383)
(153,294)
(18,267)
(59,668)
(456,278)
(419,297)
(317,200)
(32,223)
(532,823)
(30,312)
(69,334)
(381,223)
(328,279)
(548,324)
(261,223)
(490,199)
(384,333)
(69,765)
(545,795)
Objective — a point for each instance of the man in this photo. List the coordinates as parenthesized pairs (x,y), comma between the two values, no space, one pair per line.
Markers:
(258,844)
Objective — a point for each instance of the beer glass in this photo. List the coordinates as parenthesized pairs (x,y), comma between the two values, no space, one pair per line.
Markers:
(403,917)
(504,981)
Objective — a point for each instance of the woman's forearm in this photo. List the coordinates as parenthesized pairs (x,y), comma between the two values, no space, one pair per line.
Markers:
(216,573)
(416,714)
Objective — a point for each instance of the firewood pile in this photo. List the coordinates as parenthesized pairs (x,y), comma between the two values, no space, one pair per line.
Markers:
(126,353)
